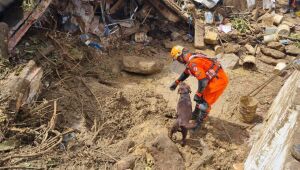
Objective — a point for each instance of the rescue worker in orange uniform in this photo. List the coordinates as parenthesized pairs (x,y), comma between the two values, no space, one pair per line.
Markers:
(212,80)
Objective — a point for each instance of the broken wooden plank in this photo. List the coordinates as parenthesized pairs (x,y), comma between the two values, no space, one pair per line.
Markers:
(177,9)
(36,14)
(116,6)
(271,149)
(199,34)
(164,10)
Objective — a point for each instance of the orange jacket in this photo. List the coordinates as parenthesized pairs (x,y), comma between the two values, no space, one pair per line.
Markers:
(198,67)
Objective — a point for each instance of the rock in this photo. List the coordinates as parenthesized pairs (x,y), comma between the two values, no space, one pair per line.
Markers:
(228,61)
(271,61)
(250,49)
(231,48)
(273,53)
(175,35)
(210,36)
(141,65)
(166,154)
(126,163)
(277,19)
(218,49)
(140,37)
(276,45)
(295,150)
(292,49)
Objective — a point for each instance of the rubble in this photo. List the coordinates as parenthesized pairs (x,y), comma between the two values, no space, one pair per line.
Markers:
(270,60)
(292,49)
(199,34)
(210,36)
(273,53)
(250,49)
(231,48)
(248,61)
(228,61)
(141,65)
(276,45)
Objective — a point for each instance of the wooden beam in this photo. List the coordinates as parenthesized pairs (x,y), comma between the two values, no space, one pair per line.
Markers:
(164,10)
(271,149)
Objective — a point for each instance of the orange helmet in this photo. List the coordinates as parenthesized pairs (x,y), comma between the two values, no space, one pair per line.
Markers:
(176,51)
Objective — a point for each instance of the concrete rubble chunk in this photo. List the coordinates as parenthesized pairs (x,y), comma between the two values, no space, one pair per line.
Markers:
(273,53)
(292,49)
(141,65)
(228,61)
(210,36)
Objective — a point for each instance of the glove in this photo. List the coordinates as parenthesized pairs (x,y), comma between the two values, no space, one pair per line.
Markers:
(198,97)
(174,85)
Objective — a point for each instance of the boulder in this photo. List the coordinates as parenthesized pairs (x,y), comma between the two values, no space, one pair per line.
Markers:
(228,61)
(141,65)
(292,49)
(273,53)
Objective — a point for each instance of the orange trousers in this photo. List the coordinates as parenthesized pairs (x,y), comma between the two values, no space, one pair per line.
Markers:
(215,88)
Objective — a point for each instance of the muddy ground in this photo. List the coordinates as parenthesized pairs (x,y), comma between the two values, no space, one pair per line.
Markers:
(123,116)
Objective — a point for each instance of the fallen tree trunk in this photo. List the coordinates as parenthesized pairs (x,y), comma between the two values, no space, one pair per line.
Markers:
(271,149)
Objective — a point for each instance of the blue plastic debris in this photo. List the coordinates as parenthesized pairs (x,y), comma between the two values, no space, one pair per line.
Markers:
(87,39)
